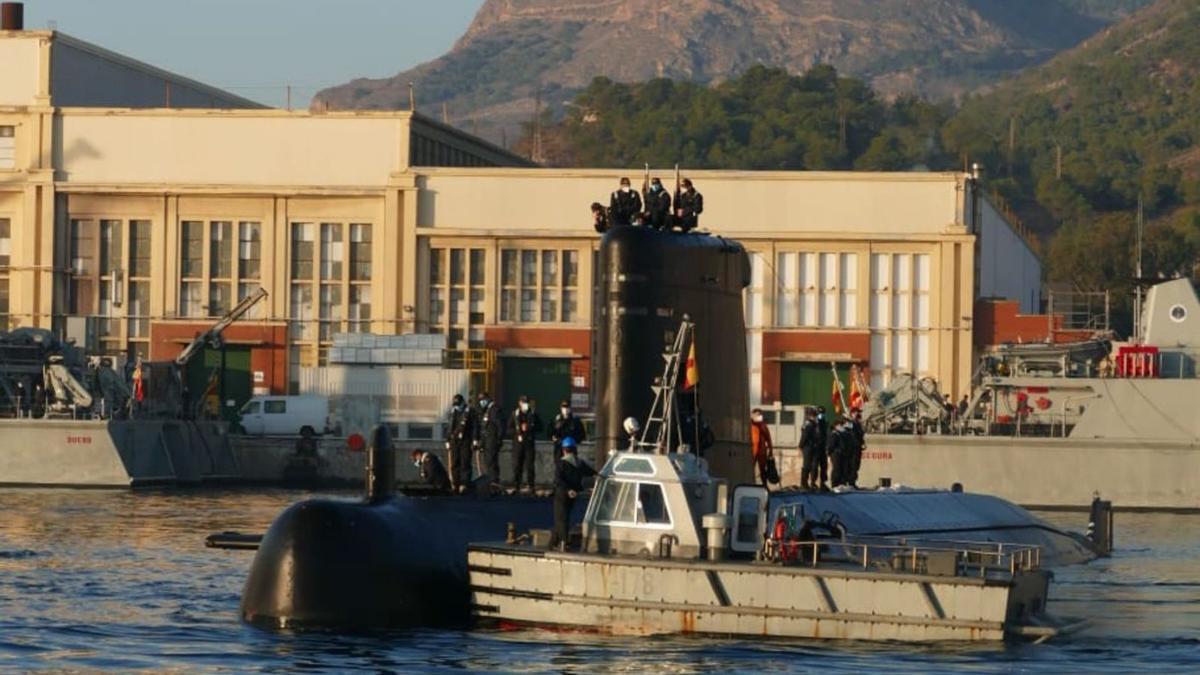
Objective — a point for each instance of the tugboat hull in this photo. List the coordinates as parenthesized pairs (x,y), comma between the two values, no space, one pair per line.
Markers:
(519,585)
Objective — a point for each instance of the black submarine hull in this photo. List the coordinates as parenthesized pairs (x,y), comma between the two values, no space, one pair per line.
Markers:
(648,280)
(399,562)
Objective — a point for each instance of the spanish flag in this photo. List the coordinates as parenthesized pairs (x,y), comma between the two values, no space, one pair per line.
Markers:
(857,397)
(839,401)
(692,375)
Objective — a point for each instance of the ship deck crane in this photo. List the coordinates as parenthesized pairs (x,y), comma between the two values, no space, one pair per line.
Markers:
(212,336)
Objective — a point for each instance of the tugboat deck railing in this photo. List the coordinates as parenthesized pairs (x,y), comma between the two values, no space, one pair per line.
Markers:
(970,558)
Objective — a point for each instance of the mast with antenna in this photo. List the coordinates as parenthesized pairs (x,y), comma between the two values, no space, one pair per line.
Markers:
(1137,282)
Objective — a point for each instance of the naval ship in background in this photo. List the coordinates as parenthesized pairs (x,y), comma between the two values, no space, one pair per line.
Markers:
(1049,425)
(73,419)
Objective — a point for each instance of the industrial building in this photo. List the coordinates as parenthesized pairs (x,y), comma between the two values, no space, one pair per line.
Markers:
(136,204)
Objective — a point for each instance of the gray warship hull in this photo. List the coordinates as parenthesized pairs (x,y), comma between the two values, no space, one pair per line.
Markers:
(113,453)
(1043,472)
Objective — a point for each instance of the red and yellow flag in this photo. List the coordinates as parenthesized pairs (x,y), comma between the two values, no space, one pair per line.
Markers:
(856,391)
(692,374)
(839,403)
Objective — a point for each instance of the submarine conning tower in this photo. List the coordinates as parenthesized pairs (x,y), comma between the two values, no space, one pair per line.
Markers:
(648,280)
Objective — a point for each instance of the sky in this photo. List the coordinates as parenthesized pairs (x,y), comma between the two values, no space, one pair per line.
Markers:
(256,48)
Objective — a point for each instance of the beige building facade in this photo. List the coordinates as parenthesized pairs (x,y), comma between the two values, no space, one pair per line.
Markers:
(138,224)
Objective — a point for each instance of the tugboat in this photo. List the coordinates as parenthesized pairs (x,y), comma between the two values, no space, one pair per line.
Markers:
(667,548)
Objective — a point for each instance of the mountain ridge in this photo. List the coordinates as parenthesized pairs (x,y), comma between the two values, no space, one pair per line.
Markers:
(516,50)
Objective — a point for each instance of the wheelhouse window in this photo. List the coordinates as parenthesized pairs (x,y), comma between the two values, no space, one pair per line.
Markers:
(632,503)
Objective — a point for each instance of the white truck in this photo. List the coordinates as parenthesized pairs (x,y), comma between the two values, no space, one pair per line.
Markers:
(286,415)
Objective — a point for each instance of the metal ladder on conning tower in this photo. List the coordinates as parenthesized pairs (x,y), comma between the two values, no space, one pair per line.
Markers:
(663,424)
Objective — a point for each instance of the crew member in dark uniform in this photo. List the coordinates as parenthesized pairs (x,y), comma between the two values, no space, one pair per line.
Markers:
(624,205)
(808,450)
(839,452)
(689,204)
(658,206)
(489,435)
(565,425)
(523,427)
(599,218)
(459,441)
(433,473)
(859,435)
(568,483)
(822,458)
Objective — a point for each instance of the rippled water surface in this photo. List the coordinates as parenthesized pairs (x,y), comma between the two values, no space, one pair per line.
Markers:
(117,580)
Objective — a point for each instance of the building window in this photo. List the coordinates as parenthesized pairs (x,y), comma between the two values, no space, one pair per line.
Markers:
(220,267)
(8,147)
(816,290)
(110,278)
(249,250)
(899,315)
(139,249)
(5,244)
(570,286)
(359,309)
(331,252)
(218,262)
(192,249)
(82,252)
(360,252)
(539,285)
(5,262)
(138,308)
(457,279)
(331,265)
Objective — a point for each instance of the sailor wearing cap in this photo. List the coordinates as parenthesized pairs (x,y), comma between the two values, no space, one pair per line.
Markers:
(568,483)
(565,425)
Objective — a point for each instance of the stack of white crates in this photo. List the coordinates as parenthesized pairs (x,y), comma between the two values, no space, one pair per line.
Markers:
(387,350)
(396,380)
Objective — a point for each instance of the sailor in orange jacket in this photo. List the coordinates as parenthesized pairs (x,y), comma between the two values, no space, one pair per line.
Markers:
(760,443)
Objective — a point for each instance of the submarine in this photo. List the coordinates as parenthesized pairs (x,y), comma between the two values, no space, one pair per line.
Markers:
(400,560)
(396,560)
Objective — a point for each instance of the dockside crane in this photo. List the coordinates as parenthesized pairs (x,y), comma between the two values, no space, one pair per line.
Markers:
(165,379)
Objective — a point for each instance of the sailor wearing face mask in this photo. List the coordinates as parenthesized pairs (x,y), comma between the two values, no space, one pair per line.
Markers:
(761,446)
(566,425)
(624,205)
(459,440)
(489,435)
(523,426)
(658,206)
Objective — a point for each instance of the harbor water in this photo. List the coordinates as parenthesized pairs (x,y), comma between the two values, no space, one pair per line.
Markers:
(116,580)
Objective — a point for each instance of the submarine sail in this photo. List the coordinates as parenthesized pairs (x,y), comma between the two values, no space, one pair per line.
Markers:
(647,281)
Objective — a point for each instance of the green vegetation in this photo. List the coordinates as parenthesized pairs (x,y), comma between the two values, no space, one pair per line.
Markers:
(1072,145)
(765,119)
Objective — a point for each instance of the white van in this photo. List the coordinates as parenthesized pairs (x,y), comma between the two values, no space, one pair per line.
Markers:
(286,415)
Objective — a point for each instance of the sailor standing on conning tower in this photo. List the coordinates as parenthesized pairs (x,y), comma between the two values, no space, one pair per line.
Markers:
(689,204)
(624,204)
(658,206)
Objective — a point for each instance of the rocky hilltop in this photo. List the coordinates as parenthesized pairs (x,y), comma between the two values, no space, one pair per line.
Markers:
(516,49)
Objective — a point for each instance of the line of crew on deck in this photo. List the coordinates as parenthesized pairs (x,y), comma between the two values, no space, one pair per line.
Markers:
(831,454)
(652,208)
(479,431)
